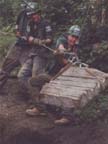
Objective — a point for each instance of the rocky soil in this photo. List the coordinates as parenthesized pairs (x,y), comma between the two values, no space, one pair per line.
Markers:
(17,128)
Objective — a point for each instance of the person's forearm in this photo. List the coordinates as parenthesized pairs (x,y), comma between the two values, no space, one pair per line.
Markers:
(39,41)
(46,41)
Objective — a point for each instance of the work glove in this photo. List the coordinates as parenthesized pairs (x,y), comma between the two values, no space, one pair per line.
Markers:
(36,41)
(24,38)
(31,39)
(39,42)
(61,50)
(17,33)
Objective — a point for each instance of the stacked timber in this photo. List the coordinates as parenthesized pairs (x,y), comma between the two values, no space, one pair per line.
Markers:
(74,88)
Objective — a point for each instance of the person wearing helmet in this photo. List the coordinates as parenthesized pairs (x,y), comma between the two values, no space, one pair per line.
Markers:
(66,43)
(32,31)
(34,68)
(40,33)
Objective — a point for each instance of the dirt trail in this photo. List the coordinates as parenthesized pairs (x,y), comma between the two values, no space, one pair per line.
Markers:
(17,128)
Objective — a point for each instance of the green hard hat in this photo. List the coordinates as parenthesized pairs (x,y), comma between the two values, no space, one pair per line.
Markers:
(74,30)
(33,7)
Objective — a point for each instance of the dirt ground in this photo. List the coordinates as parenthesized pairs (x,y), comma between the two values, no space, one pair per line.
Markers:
(17,128)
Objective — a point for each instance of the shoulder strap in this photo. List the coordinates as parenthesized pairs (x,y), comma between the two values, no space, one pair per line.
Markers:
(23,22)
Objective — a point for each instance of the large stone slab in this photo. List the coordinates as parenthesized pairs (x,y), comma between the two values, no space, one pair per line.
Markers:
(74,88)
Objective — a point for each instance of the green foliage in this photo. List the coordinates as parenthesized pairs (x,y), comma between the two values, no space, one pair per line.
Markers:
(5,42)
(8,11)
(60,12)
(95,109)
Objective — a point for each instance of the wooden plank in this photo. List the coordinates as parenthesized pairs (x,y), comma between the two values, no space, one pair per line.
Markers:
(94,89)
(63,90)
(74,97)
(102,81)
(77,79)
(76,72)
(75,83)
(71,85)
(68,88)
(85,72)
(58,93)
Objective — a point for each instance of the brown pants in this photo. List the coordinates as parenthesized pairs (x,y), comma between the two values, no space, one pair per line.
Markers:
(33,67)
(15,57)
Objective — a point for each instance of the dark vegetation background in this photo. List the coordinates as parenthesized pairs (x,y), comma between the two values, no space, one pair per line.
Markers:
(91,15)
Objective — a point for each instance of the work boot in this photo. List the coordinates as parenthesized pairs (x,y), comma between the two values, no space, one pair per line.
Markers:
(34,112)
(40,80)
(62,121)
